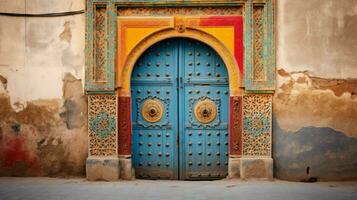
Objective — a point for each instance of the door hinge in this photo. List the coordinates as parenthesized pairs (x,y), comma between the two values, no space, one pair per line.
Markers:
(181,82)
(177,83)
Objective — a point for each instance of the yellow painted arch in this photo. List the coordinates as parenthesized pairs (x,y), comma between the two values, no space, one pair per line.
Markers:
(229,60)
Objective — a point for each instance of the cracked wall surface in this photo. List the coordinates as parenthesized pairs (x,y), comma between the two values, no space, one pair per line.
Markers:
(43,126)
(315,105)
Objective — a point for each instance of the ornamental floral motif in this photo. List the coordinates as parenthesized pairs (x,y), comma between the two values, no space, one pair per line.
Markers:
(102,112)
(100,44)
(205,111)
(257,124)
(192,116)
(164,112)
(102,124)
(257,111)
(165,11)
(258,25)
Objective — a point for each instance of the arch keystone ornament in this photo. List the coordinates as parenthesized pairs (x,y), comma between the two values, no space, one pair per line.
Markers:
(180,24)
(114,43)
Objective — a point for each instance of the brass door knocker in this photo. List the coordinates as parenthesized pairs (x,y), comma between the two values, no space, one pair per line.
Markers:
(152,110)
(205,111)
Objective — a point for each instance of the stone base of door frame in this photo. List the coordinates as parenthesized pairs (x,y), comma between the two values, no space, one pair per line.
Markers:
(112,168)
(250,168)
(256,168)
(234,168)
(127,171)
(102,168)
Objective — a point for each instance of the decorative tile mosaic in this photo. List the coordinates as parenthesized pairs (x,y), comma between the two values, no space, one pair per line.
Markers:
(102,125)
(122,11)
(100,44)
(258,39)
(257,116)
(259,46)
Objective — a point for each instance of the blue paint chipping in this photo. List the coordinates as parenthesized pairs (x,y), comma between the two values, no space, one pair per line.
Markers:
(313,152)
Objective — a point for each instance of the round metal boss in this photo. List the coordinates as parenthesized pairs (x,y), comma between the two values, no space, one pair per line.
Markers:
(205,111)
(152,110)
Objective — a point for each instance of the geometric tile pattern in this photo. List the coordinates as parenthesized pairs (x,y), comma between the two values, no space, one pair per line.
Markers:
(259,48)
(167,11)
(102,125)
(100,44)
(257,116)
(258,39)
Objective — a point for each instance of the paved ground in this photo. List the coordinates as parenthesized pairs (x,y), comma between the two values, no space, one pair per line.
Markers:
(80,189)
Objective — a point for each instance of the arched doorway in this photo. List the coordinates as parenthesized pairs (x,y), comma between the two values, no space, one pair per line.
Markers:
(180,116)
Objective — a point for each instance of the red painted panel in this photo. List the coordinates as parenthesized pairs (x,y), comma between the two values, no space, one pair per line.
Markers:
(236,125)
(15,152)
(237,23)
(124,125)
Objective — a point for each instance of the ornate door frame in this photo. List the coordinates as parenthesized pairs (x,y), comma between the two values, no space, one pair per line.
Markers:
(115,42)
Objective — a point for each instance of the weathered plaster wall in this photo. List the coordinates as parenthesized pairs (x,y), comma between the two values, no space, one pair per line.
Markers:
(43,109)
(42,105)
(315,105)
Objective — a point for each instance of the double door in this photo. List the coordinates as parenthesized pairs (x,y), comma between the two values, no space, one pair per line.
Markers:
(180,100)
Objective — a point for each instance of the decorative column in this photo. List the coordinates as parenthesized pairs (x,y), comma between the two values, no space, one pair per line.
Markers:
(259,82)
(124,137)
(257,161)
(235,148)
(102,162)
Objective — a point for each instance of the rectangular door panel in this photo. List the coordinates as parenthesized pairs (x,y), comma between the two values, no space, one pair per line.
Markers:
(205,139)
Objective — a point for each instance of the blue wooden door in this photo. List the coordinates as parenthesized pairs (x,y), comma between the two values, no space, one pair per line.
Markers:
(180,100)
(204,100)
(154,110)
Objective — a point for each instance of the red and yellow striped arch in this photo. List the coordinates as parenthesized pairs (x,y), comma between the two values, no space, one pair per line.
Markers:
(227,31)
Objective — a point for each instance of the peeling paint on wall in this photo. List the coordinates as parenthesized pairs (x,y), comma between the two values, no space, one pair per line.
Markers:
(303,100)
(74,104)
(66,35)
(43,126)
(36,53)
(338,86)
(314,153)
(48,137)
(314,132)
(315,105)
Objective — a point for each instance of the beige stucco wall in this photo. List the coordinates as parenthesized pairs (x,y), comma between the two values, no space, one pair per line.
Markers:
(315,105)
(35,51)
(42,108)
(318,36)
